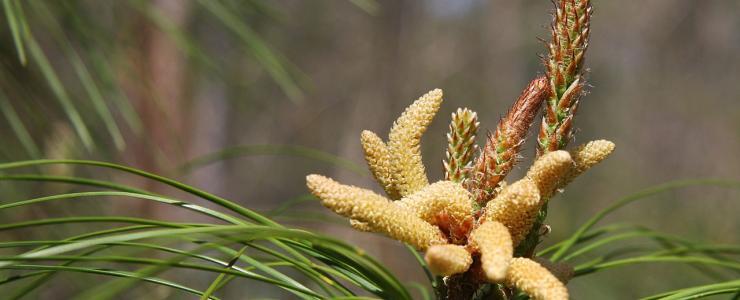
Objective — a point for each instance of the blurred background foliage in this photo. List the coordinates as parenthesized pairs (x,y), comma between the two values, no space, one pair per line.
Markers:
(244,98)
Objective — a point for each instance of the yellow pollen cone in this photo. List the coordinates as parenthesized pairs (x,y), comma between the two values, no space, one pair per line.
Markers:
(516,207)
(448,259)
(404,142)
(440,197)
(378,160)
(493,241)
(533,279)
(549,171)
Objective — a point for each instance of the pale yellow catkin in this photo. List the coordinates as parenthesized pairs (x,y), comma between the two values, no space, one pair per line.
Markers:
(378,160)
(360,226)
(379,214)
(494,243)
(404,142)
(516,207)
(586,156)
(448,259)
(535,280)
(446,197)
(398,223)
(549,171)
(340,198)
(561,270)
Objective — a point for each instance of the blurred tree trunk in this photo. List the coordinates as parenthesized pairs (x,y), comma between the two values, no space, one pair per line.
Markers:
(156,86)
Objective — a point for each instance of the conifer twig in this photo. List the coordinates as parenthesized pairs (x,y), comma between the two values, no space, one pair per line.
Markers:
(460,144)
(570,29)
(564,64)
(500,153)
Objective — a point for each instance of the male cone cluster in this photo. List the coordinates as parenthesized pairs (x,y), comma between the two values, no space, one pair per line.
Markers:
(441,218)
(470,223)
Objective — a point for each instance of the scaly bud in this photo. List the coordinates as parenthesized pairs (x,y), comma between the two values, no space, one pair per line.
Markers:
(502,147)
(460,144)
(564,65)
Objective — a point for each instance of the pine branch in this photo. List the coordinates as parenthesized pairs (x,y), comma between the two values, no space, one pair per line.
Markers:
(500,153)
(570,33)
(460,144)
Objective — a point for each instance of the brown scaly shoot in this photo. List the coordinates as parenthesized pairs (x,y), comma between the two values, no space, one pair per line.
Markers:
(564,69)
(502,147)
(460,144)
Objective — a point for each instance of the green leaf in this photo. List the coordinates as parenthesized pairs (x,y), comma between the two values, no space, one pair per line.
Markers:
(580,270)
(59,91)
(699,291)
(94,93)
(173,183)
(16,22)
(635,197)
(271,62)
(19,129)
(106,272)
(222,278)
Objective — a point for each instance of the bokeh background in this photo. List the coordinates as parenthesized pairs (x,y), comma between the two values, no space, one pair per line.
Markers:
(245,98)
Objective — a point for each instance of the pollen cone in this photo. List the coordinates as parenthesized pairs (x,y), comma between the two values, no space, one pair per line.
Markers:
(516,207)
(404,142)
(448,259)
(533,279)
(493,241)
(379,213)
